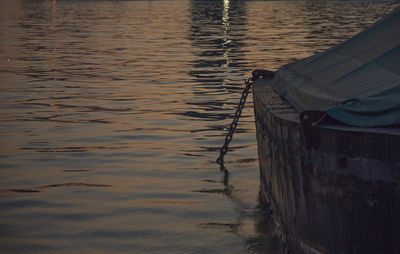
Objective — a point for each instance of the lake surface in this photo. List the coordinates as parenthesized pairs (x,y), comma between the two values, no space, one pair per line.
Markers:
(112,114)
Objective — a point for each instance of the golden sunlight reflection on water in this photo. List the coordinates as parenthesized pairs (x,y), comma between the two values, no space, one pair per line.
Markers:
(112,114)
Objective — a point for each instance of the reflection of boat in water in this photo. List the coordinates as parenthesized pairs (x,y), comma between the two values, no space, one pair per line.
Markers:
(332,175)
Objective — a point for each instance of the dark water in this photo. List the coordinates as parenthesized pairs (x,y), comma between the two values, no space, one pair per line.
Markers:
(112,114)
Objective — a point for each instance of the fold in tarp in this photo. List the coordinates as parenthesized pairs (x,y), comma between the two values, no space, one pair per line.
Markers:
(356,82)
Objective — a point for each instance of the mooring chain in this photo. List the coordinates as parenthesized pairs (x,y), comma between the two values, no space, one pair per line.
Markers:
(232,127)
(256,74)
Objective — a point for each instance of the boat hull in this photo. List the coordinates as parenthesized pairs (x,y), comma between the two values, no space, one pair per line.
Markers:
(334,190)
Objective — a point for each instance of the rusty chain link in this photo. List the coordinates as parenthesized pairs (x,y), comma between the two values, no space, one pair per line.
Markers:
(232,127)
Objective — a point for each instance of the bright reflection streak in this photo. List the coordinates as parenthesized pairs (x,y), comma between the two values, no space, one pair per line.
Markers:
(225,14)
(225,22)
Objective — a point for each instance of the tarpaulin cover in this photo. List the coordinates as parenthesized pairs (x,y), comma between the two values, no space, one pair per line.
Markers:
(356,82)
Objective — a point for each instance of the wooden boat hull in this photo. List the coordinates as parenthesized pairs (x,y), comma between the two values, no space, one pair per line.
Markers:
(336,190)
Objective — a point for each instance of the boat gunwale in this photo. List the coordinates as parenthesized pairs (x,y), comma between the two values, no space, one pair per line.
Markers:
(259,86)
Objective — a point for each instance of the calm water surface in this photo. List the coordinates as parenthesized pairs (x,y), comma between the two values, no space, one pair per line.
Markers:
(112,114)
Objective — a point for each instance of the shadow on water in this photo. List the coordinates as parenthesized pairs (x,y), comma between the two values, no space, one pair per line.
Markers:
(265,237)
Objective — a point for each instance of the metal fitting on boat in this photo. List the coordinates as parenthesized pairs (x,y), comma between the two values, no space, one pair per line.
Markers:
(262,74)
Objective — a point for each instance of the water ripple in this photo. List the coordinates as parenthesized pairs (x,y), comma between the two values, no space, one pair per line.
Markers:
(43,187)
(123,105)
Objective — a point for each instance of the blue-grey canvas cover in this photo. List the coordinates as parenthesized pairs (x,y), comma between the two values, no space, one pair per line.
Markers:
(356,82)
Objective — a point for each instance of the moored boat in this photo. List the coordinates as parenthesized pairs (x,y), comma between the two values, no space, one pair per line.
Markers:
(329,145)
